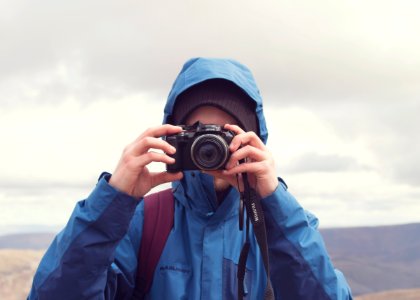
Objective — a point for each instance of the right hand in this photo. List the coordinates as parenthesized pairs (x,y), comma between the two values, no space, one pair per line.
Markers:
(132,176)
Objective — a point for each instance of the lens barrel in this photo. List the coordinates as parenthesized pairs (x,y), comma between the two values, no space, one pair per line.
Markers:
(209,152)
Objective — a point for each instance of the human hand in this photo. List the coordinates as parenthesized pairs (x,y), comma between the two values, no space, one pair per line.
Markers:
(258,162)
(131,175)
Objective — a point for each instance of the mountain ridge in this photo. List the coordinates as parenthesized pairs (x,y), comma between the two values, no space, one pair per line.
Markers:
(372,258)
(377,258)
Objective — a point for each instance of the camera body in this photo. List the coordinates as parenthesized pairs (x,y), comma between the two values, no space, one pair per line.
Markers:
(200,147)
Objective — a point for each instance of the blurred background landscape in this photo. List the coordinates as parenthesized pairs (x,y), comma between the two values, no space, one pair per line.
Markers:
(380,263)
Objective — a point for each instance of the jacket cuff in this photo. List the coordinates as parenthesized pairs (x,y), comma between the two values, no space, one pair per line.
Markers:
(107,199)
(103,182)
(282,205)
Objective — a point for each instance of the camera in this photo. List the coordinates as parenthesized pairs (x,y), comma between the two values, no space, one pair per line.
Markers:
(200,147)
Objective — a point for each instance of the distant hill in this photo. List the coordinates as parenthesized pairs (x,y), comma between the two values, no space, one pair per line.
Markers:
(375,259)
(35,241)
(17,268)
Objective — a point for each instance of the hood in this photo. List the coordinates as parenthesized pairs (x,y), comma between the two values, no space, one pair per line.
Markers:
(194,71)
(197,70)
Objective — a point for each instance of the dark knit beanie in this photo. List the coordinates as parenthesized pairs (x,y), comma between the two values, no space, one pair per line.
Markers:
(219,93)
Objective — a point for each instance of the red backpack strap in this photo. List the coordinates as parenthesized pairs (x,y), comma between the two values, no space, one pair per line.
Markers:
(158,222)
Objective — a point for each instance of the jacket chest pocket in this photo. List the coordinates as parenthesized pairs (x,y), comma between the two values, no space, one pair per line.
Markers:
(171,282)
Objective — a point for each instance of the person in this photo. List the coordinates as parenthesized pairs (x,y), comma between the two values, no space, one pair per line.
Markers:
(95,256)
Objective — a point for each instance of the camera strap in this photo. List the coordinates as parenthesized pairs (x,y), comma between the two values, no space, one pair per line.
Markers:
(254,212)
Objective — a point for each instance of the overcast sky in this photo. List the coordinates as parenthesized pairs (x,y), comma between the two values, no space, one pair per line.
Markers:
(79,80)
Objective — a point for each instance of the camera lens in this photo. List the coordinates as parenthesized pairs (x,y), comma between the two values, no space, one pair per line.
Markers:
(209,152)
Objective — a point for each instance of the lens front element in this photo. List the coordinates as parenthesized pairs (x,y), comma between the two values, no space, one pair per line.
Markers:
(209,152)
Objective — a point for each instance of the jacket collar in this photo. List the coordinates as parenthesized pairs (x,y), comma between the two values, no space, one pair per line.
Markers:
(198,186)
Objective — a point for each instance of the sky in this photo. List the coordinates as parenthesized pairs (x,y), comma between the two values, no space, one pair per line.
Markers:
(80,80)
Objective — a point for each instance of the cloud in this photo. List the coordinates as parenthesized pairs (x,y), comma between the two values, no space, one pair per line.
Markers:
(71,142)
(81,79)
(299,52)
(315,162)
(13,187)
(354,197)
(389,132)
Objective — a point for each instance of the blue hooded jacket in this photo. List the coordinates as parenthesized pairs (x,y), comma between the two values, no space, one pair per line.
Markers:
(95,256)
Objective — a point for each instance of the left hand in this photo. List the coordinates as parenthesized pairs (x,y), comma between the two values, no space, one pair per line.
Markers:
(259,162)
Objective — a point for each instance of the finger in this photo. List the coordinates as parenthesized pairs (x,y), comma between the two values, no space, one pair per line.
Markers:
(164,177)
(247,138)
(141,161)
(161,130)
(153,132)
(147,143)
(235,128)
(248,151)
(254,167)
